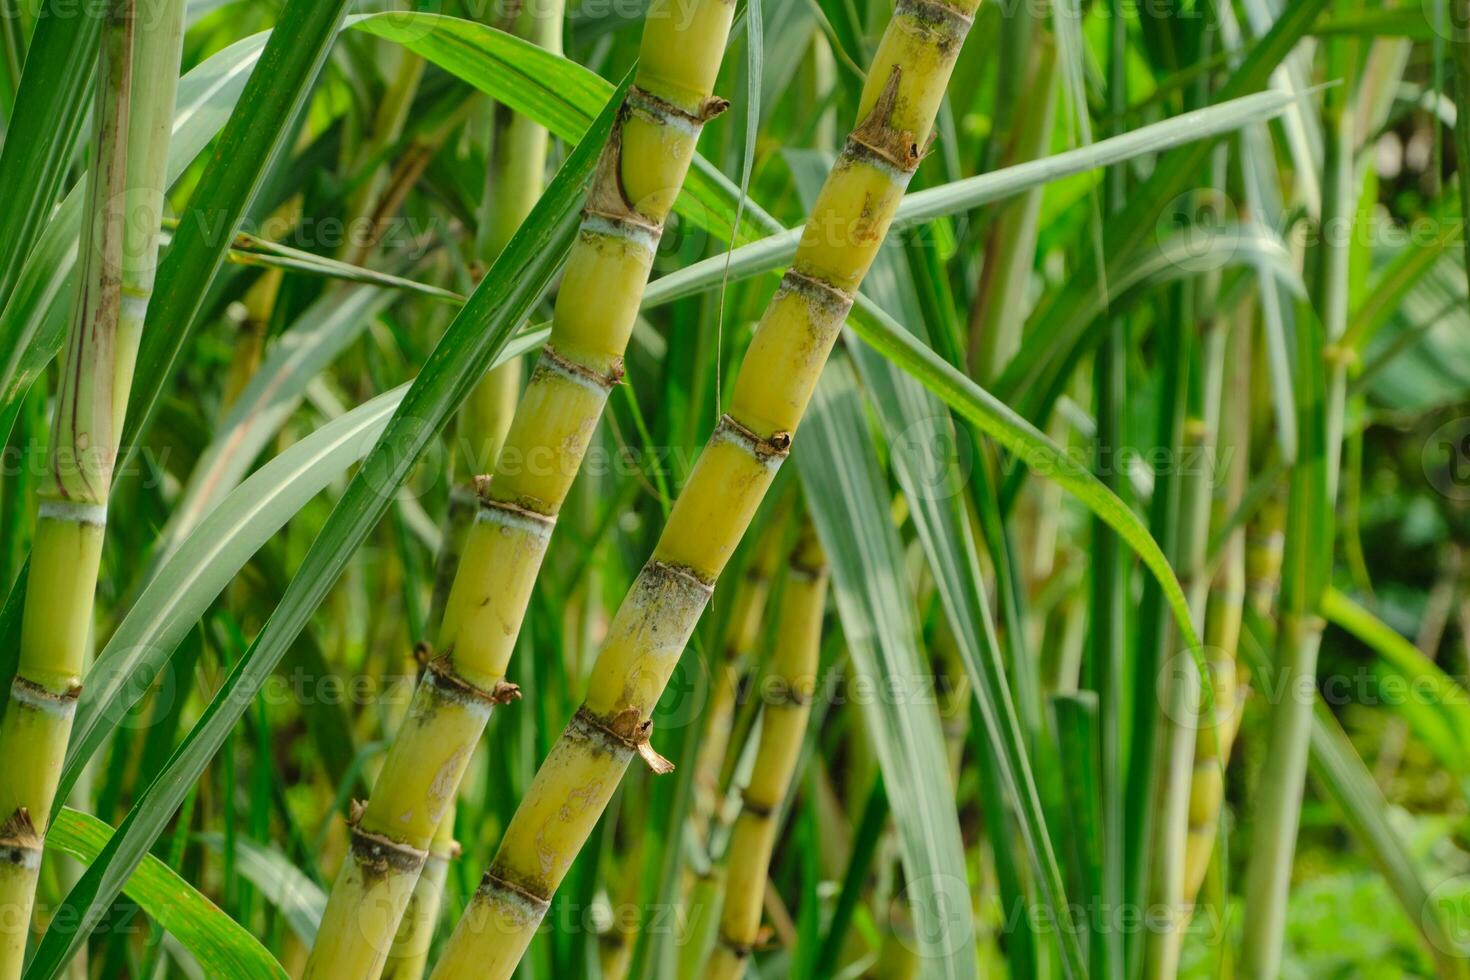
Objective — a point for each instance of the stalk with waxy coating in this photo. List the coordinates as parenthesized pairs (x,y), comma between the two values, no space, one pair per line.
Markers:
(791,681)
(639,176)
(651,628)
(514,181)
(118,249)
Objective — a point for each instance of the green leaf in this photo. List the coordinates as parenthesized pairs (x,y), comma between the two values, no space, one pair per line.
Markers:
(849,501)
(300,900)
(776,250)
(1444,700)
(52,100)
(482,329)
(302,351)
(223,947)
(1340,773)
(34,319)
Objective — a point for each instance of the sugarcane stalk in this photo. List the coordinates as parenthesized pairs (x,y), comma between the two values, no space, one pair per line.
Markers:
(409,955)
(741,634)
(1306,569)
(650,630)
(1224,608)
(792,674)
(1186,712)
(118,251)
(639,176)
(515,178)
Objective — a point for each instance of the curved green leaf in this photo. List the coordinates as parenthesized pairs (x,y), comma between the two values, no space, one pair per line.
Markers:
(221,945)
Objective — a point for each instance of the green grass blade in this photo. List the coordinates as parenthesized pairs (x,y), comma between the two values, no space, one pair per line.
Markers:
(299,899)
(205,562)
(849,500)
(301,352)
(222,947)
(52,100)
(775,251)
(1341,774)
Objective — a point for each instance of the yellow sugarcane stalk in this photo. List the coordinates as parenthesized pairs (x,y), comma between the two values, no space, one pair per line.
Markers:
(640,174)
(649,632)
(742,632)
(118,249)
(514,179)
(1224,613)
(792,680)
(409,955)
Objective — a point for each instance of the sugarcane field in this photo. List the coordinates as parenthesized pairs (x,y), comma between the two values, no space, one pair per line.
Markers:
(734,489)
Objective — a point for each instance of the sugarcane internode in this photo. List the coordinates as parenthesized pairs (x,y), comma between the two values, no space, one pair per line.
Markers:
(650,630)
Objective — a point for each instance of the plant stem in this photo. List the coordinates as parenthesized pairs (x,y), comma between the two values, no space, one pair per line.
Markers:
(515,178)
(742,632)
(1306,572)
(792,674)
(118,250)
(1222,621)
(780,372)
(638,178)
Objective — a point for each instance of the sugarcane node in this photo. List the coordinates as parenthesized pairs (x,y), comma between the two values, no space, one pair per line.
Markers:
(790,696)
(1340,355)
(446,680)
(516,515)
(739,948)
(656,569)
(761,811)
(948,23)
(558,363)
(28,694)
(378,854)
(833,301)
(806,570)
(18,836)
(770,449)
(492,883)
(626,730)
(876,138)
(666,113)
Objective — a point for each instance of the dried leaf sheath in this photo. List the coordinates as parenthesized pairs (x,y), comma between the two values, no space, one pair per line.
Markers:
(780,372)
(639,175)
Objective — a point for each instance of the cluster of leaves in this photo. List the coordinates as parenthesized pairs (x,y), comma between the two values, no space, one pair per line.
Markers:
(277,513)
